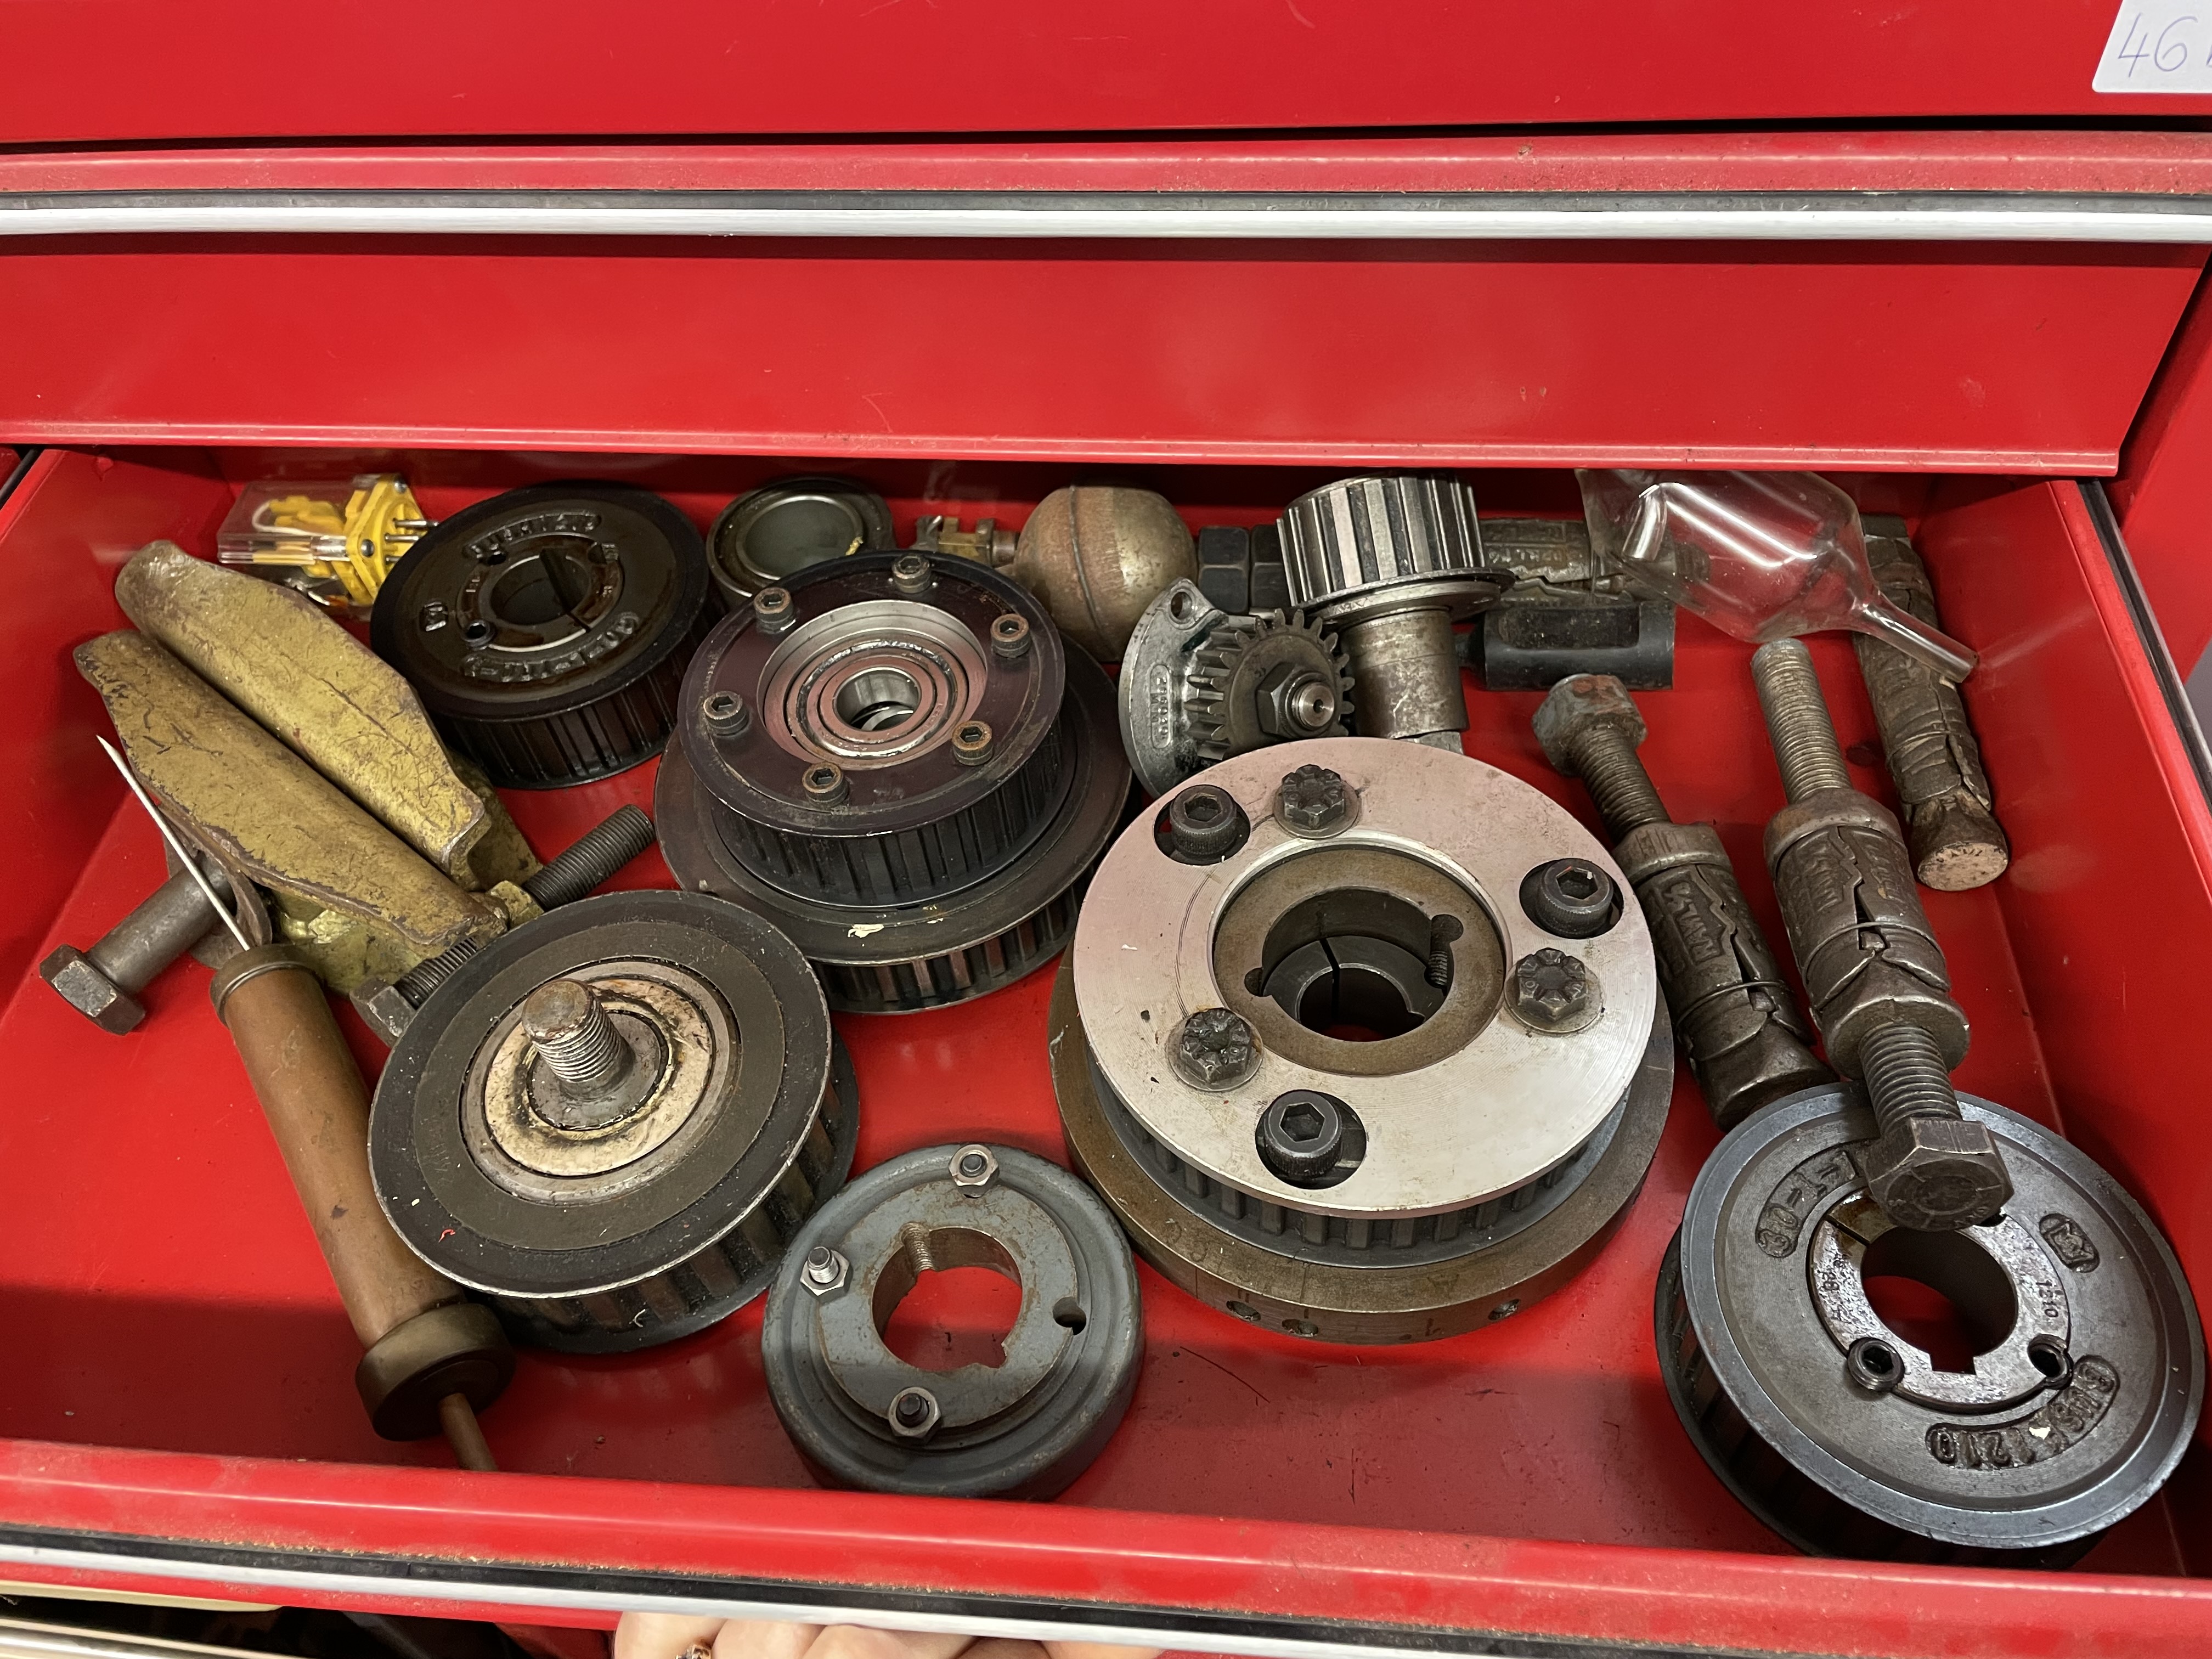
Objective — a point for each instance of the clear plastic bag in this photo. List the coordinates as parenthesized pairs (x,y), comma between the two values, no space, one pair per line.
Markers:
(1763,555)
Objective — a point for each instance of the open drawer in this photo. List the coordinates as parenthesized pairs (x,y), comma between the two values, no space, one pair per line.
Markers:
(176,1404)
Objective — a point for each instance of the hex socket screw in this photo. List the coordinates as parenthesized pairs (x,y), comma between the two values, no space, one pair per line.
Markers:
(725,715)
(103,983)
(1929,1170)
(772,611)
(911,575)
(1010,637)
(1733,1013)
(824,785)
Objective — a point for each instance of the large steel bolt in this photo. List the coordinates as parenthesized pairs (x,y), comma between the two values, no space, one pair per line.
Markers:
(1213,1049)
(1315,801)
(587,863)
(1735,1015)
(1873,971)
(1295,702)
(1205,824)
(103,983)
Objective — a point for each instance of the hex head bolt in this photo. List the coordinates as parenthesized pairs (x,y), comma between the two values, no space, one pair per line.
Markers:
(1873,971)
(1747,1042)
(589,862)
(103,983)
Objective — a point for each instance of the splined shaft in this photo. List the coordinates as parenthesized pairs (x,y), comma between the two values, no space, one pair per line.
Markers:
(1745,1040)
(1874,974)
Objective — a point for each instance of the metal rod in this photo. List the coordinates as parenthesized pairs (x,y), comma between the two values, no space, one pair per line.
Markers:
(464,1434)
(176,845)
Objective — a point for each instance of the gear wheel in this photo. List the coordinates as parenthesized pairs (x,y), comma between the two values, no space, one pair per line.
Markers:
(1274,678)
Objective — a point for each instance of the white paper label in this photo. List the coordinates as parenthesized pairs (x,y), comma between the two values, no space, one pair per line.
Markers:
(2158,46)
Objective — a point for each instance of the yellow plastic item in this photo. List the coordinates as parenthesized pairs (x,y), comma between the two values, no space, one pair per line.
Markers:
(356,550)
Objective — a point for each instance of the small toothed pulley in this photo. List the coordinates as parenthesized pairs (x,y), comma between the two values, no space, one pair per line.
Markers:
(547,630)
(612,1121)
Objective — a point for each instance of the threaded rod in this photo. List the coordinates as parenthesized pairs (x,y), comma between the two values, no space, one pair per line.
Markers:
(594,857)
(1607,762)
(1797,720)
(569,1027)
(1905,1077)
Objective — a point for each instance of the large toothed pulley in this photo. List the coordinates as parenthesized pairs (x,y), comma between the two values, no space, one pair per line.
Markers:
(862,1415)
(1358,1040)
(612,1121)
(547,630)
(895,759)
(1796,1339)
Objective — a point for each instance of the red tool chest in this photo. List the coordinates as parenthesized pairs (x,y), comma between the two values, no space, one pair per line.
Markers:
(1962,326)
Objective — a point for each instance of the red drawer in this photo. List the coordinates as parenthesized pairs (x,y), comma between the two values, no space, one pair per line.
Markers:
(178,1407)
(1952,302)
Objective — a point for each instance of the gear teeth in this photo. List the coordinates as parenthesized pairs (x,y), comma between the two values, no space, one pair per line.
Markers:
(1210,671)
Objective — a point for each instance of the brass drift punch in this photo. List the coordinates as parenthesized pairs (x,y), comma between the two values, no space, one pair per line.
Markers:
(434,1358)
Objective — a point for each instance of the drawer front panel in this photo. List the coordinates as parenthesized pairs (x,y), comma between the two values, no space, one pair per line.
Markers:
(1971,358)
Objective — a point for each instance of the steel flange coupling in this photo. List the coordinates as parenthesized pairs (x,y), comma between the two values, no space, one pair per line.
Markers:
(1356,1072)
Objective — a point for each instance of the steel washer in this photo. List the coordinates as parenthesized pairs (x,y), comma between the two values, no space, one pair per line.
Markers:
(1025,1429)
(1751,1330)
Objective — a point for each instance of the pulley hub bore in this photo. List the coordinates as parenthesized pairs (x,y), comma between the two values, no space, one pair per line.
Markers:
(1306,1071)
(611,1121)
(2052,1400)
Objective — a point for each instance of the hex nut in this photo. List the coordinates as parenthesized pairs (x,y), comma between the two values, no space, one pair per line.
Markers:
(1315,801)
(827,1271)
(1935,1174)
(90,991)
(384,1008)
(974,1167)
(1577,703)
(1213,1049)
(914,1413)
(1554,992)
(1295,702)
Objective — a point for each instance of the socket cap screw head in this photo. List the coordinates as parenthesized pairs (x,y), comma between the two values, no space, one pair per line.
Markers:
(910,575)
(1213,1049)
(1010,637)
(725,714)
(1315,801)
(972,743)
(1584,703)
(1554,992)
(823,785)
(1936,1174)
(973,1168)
(772,611)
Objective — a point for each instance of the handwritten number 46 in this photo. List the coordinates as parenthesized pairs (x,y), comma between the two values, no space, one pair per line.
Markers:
(2164,53)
